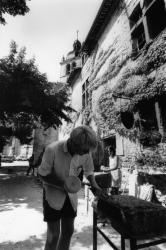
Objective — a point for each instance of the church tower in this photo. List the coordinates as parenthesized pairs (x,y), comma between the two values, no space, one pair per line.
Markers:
(72,63)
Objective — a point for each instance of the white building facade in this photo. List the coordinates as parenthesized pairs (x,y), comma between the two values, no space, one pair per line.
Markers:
(118,82)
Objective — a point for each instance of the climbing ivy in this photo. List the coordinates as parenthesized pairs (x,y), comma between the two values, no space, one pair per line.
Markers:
(109,117)
(137,82)
(115,64)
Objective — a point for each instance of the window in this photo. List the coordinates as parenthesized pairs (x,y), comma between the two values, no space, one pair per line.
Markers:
(135,16)
(84,58)
(148,116)
(146,3)
(138,38)
(137,29)
(107,142)
(68,69)
(86,94)
(147,22)
(76,53)
(156,18)
(73,65)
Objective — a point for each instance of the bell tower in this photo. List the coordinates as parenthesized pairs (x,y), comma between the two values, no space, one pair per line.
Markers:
(72,62)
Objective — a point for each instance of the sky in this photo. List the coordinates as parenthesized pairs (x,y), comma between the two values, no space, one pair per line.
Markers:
(49,30)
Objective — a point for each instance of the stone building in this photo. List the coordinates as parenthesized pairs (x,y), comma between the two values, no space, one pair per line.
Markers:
(119,77)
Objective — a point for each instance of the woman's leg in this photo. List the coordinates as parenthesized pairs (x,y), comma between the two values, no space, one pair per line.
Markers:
(28,170)
(67,229)
(53,232)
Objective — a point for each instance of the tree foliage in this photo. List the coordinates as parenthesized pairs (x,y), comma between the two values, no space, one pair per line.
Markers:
(26,96)
(12,7)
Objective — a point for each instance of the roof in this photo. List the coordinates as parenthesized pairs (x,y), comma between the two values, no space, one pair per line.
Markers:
(102,18)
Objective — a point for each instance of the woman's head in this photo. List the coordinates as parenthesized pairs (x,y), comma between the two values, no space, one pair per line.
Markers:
(82,140)
(111,151)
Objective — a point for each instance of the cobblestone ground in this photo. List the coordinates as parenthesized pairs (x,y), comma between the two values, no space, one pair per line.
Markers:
(21,220)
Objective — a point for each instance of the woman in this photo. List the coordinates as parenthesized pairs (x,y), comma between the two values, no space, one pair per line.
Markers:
(61,161)
(114,165)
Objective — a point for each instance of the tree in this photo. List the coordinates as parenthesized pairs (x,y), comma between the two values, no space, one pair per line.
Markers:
(27,98)
(12,7)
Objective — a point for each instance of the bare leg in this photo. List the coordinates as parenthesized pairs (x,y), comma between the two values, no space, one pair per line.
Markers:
(28,170)
(67,229)
(53,232)
(33,170)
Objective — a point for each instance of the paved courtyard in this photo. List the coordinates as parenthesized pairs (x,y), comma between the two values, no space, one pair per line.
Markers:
(21,220)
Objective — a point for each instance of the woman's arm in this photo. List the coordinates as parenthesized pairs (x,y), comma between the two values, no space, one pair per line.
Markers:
(95,187)
(52,179)
(96,190)
(92,181)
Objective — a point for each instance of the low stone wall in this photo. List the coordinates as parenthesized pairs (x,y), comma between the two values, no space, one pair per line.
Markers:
(148,186)
(157,180)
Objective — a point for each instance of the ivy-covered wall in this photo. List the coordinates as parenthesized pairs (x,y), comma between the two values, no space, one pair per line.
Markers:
(139,81)
(113,51)
(113,71)
(116,73)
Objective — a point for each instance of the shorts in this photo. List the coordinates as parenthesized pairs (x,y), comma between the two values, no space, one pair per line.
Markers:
(51,214)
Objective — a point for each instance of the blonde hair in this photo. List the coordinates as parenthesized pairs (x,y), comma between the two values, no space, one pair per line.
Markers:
(84,136)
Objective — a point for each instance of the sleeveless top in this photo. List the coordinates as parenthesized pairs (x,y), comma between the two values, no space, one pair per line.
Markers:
(115,173)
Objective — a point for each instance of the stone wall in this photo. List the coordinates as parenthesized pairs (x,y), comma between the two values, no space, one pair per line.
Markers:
(114,46)
(112,52)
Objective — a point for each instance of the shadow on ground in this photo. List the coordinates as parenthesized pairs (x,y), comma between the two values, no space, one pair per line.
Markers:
(17,189)
(31,243)
(84,239)
(22,226)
